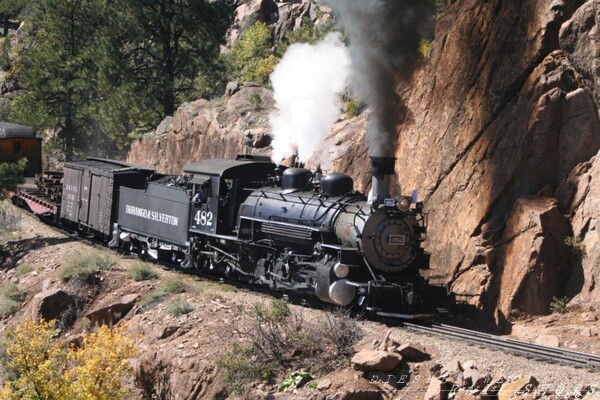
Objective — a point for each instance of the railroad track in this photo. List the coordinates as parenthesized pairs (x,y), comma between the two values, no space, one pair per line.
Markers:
(518,347)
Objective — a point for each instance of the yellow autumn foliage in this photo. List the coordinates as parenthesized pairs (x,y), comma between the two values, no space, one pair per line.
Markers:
(49,369)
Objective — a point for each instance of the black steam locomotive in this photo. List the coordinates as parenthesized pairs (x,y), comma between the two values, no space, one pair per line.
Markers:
(288,229)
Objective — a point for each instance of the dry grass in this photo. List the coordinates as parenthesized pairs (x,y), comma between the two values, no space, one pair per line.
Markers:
(85,266)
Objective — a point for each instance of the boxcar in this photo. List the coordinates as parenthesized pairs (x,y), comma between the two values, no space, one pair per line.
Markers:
(18,141)
(91,190)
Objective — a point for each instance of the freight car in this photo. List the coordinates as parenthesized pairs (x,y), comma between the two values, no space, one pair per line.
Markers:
(19,141)
(288,229)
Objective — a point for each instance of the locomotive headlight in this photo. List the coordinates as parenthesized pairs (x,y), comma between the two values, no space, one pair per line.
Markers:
(341,270)
(404,203)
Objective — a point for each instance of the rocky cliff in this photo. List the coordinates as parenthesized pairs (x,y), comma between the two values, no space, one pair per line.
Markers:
(501,136)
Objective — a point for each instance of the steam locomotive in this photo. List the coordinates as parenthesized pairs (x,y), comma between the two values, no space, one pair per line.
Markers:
(290,229)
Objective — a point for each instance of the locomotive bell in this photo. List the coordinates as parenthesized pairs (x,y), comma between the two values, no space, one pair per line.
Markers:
(381,168)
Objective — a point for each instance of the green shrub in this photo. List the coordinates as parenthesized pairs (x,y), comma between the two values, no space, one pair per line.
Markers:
(85,266)
(141,271)
(276,341)
(151,298)
(353,106)
(425,47)
(251,58)
(179,306)
(8,217)
(295,380)
(11,175)
(26,268)
(576,244)
(559,305)
(240,366)
(256,101)
(168,285)
(11,298)
(172,285)
(439,9)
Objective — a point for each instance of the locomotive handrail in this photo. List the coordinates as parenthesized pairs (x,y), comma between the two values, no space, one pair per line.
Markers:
(312,228)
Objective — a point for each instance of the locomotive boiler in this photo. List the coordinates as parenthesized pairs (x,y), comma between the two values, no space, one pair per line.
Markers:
(317,236)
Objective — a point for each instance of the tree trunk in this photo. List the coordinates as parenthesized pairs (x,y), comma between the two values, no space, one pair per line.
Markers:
(68,136)
(169,61)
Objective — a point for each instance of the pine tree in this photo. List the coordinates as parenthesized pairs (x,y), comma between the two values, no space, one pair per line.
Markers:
(59,68)
(162,46)
(11,175)
(10,9)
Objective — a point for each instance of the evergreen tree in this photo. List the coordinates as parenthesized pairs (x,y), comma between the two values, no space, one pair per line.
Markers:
(10,9)
(11,175)
(162,47)
(59,68)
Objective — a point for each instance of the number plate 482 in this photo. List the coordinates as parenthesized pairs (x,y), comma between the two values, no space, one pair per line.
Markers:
(203,218)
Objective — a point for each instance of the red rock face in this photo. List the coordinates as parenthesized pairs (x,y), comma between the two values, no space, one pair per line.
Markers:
(497,112)
(503,107)
(532,261)
(201,129)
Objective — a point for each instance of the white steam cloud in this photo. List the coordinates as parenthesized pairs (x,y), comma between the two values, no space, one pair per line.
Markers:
(308,82)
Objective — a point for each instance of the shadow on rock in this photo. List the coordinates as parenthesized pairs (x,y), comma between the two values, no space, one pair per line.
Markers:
(13,251)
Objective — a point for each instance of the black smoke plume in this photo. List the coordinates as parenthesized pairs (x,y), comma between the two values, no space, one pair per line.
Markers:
(384,44)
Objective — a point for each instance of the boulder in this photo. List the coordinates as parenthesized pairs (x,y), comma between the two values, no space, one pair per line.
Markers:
(437,390)
(533,259)
(324,384)
(386,380)
(51,304)
(165,374)
(463,394)
(412,352)
(469,365)
(290,15)
(517,387)
(452,366)
(375,360)
(547,340)
(473,379)
(112,313)
(491,390)
(472,284)
(185,116)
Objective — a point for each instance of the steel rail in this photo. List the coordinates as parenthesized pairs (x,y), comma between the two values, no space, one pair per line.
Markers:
(514,346)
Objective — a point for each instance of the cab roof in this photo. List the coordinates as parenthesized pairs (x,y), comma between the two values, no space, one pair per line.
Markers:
(9,130)
(228,168)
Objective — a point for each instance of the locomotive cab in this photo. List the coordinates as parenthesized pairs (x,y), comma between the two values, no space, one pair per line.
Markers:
(213,205)
(227,182)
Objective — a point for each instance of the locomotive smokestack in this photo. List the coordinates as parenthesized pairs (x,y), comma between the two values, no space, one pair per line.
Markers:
(382,168)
